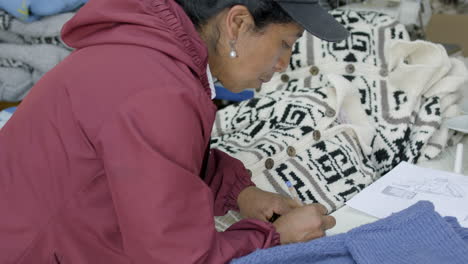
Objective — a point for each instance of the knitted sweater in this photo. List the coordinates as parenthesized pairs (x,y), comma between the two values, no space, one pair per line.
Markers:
(28,51)
(345,113)
(417,235)
(32,10)
(407,88)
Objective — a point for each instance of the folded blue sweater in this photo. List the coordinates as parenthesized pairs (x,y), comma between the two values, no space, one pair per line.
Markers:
(417,235)
(32,10)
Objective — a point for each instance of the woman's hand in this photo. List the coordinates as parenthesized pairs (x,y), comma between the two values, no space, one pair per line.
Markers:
(256,203)
(304,224)
(297,223)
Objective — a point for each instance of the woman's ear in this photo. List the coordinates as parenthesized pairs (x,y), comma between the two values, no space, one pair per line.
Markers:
(238,21)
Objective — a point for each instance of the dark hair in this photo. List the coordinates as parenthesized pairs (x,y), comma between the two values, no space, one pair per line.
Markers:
(264,12)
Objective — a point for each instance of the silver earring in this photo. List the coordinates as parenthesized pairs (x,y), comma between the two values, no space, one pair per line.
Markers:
(233,53)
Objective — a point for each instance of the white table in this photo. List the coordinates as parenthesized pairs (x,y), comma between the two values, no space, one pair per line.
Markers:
(348,218)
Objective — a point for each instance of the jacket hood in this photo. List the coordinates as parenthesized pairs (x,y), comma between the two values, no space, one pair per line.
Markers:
(157,24)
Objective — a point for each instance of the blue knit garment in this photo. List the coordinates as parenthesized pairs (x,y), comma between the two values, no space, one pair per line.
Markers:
(32,10)
(417,235)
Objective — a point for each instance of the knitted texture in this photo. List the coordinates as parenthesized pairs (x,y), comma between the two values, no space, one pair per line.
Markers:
(406,88)
(417,235)
(27,52)
(331,138)
(333,165)
(298,136)
(32,10)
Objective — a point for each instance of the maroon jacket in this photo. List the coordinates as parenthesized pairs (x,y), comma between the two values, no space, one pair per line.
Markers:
(103,161)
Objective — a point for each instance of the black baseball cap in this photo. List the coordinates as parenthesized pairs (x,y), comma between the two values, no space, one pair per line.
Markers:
(315,20)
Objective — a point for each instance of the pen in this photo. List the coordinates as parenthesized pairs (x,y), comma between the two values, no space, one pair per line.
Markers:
(293,192)
(459,159)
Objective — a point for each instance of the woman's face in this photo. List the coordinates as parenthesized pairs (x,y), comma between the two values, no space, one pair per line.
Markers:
(259,54)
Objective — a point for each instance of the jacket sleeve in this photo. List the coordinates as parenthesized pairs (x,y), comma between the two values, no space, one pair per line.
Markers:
(227,177)
(164,209)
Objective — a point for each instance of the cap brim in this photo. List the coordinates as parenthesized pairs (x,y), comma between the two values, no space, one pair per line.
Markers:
(315,20)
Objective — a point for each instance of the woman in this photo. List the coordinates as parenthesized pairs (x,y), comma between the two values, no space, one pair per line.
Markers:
(107,159)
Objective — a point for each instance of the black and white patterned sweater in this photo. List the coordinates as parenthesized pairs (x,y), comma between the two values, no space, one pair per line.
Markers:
(343,114)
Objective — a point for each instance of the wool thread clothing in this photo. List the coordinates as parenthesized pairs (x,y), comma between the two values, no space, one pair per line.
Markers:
(33,10)
(417,235)
(407,88)
(45,31)
(305,109)
(27,52)
(394,101)
(299,136)
(21,66)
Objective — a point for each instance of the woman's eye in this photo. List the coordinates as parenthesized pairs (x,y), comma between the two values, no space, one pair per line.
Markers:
(286,45)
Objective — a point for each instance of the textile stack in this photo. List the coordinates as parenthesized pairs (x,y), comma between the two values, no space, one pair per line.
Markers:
(30,43)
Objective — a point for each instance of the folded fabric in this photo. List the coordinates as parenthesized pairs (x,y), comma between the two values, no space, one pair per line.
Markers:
(407,88)
(417,235)
(32,10)
(21,66)
(41,58)
(44,31)
(14,84)
(28,51)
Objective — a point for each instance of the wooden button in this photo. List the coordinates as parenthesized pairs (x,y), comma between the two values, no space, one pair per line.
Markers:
(291,151)
(314,70)
(285,78)
(384,72)
(330,113)
(350,69)
(269,163)
(316,135)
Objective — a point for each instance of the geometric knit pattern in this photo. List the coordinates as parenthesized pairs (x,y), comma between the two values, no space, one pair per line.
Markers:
(286,113)
(27,52)
(293,129)
(404,121)
(5,20)
(19,38)
(364,49)
(296,135)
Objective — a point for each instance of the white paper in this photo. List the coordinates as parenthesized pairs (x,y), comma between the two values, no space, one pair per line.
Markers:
(407,184)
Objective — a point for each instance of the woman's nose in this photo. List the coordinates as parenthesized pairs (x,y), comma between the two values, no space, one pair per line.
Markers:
(283,63)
